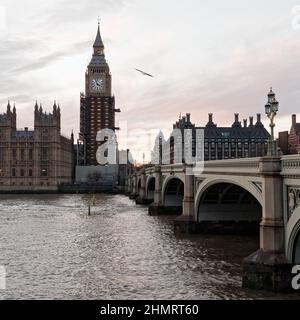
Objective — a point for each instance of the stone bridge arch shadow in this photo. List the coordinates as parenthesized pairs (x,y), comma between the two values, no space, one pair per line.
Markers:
(293,237)
(296,248)
(228,207)
(150,188)
(172,195)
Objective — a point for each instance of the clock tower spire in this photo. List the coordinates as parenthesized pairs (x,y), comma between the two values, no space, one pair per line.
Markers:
(98,44)
(97,107)
(98,77)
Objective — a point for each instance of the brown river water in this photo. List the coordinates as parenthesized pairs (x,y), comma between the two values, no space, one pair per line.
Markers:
(52,249)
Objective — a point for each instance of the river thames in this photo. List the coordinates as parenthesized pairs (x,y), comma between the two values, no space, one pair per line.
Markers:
(52,249)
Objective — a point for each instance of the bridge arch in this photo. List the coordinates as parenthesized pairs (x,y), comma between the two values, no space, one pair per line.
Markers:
(229,201)
(293,237)
(173,191)
(150,187)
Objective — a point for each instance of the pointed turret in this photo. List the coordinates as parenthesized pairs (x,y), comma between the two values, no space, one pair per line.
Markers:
(54,107)
(98,48)
(98,44)
(36,109)
(8,106)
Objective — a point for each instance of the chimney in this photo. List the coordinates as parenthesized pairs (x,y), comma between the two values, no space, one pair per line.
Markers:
(210,117)
(251,121)
(258,118)
(236,117)
(294,120)
(188,116)
(245,123)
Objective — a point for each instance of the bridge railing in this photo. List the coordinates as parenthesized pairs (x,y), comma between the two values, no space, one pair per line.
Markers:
(166,168)
(233,166)
(291,166)
(249,166)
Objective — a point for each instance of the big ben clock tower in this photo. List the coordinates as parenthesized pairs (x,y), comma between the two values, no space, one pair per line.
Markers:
(97,105)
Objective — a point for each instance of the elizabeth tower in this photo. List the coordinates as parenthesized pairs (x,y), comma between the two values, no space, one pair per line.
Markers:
(97,105)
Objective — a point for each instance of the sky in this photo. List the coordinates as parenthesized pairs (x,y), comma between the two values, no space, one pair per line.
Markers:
(206,56)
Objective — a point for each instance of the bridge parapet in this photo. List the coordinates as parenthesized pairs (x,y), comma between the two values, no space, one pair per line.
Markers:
(175,168)
(291,166)
(233,166)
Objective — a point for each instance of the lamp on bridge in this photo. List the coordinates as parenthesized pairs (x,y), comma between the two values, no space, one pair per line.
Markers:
(272,108)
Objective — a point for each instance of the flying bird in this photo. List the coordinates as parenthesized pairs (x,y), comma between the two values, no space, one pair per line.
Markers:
(145,73)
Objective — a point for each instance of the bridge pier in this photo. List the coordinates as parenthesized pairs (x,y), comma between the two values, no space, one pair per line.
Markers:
(268,268)
(127,186)
(134,192)
(186,223)
(142,198)
(157,208)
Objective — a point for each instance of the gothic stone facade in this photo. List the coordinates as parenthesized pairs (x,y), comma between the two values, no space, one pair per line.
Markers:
(38,160)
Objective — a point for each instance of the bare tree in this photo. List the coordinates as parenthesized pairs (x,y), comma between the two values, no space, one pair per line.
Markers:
(94,177)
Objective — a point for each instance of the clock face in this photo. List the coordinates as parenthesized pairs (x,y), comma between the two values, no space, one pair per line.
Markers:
(98,85)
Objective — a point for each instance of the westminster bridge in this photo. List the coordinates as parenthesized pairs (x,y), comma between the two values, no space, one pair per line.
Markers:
(238,195)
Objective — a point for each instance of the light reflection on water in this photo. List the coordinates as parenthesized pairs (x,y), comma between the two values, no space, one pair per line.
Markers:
(52,250)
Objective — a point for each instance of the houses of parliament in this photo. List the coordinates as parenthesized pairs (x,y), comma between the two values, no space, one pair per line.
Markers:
(34,160)
(42,159)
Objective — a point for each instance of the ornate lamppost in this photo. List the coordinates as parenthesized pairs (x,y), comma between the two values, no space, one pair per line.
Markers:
(271,108)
